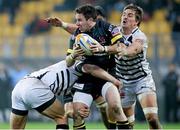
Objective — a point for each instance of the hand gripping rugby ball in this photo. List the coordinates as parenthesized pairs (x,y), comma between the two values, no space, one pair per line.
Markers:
(84,41)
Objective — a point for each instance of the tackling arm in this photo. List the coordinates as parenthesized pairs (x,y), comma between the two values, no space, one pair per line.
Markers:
(98,72)
(135,48)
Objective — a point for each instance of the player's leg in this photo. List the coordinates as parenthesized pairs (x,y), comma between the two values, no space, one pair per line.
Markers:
(69,111)
(81,101)
(32,93)
(18,121)
(115,111)
(148,103)
(130,114)
(19,111)
(55,111)
(128,99)
(102,105)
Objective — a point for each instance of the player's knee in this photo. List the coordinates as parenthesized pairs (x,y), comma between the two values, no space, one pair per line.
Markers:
(115,108)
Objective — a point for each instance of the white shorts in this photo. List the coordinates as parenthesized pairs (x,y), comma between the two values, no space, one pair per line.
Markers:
(130,91)
(31,93)
(83,98)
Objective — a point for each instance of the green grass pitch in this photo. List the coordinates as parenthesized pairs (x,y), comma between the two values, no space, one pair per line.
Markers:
(51,125)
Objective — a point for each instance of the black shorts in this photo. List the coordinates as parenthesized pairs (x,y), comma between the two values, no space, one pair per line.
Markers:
(93,88)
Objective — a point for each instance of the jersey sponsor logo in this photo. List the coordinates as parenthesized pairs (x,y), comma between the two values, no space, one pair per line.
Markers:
(78,86)
(115,31)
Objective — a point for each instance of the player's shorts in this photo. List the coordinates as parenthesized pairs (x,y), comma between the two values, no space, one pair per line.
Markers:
(130,91)
(87,98)
(92,88)
(31,93)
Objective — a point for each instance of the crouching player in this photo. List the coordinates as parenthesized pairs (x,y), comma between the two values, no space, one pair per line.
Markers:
(39,89)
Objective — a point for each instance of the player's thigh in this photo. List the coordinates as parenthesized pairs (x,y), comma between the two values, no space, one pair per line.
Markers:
(148,99)
(55,110)
(111,93)
(17,121)
(147,92)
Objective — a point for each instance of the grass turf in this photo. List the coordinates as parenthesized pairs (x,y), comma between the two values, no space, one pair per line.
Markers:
(50,125)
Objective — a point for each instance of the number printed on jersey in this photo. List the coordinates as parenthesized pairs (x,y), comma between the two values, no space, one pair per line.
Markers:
(78,86)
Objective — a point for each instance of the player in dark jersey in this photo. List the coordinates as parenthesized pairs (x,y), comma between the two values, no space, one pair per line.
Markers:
(69,27)
(105,34)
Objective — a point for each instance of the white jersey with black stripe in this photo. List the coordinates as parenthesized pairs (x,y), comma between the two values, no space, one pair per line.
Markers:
(133,69)
(58,77)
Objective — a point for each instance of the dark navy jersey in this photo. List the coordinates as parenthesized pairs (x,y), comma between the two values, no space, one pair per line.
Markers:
(106,34)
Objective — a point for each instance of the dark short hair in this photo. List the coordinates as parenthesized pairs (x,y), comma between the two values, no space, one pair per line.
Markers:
(87,10)
(138,12)
(100,11)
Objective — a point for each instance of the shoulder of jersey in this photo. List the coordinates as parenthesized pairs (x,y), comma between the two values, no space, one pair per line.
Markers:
(84,41)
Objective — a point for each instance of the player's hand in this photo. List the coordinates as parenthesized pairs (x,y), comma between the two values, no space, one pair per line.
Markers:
(84,112)
(97,48)
(77,52)
(54,21)
(118,84)
(122,50)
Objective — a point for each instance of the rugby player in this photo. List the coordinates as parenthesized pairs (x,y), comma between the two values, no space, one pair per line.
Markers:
(69,27)
(39,89)
(88,87)
(132,67)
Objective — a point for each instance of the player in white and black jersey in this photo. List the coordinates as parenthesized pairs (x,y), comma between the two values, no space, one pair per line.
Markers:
(39,89)
(133,69)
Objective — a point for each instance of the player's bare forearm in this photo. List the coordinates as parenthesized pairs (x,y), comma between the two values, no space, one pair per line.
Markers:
(57,22)
(112,49)
(100,73)
(135,48)
(70,28)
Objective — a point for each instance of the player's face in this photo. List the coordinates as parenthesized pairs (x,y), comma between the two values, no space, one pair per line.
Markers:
(128,19)
(81,22)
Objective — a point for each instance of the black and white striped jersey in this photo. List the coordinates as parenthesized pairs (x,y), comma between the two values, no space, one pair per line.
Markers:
(132,69)
(58,77)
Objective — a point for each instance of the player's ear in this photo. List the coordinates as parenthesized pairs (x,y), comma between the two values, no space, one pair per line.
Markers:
(91,19)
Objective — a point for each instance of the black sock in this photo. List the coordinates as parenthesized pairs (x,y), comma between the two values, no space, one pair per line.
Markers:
(62,126)
(81,126)
(111,125)
(123,125)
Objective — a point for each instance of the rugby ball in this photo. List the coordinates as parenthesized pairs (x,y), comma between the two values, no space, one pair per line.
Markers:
(84,41)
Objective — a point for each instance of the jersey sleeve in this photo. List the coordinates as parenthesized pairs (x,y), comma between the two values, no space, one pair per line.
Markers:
(115,33)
